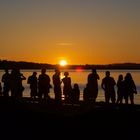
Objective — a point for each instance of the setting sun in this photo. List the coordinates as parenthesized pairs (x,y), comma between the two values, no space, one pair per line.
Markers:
(63,62)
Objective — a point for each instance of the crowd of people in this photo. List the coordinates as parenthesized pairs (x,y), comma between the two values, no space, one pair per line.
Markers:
(12,82)
(126,88)
(40,87)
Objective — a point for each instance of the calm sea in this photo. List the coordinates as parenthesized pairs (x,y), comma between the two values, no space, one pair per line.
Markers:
(80,77)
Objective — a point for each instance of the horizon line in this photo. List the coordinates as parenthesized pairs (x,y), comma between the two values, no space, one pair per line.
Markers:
(68,64)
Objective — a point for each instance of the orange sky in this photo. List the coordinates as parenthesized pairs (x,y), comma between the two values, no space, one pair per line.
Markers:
(82,32)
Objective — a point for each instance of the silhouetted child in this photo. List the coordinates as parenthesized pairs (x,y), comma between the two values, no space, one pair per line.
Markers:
(86,95)
(75,93)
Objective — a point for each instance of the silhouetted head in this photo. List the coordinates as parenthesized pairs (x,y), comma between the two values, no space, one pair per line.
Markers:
(43,71)
(57,71)
(120,77)
(128,76)
(94,70)
(66,73)
(76,85)
(15,71)
(107,73)
(34,73)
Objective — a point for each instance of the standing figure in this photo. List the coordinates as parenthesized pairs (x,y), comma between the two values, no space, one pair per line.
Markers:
(108,84)
(129,88)
(57,86)
(16,79)
(6,81)
(32,80)
(120,89)
(0,89)
(67,89)
(44,85)
(75,95)
(92,84)
(86,96)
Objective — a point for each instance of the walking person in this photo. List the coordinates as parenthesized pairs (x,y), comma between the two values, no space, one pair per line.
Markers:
(57,86)
(107,85)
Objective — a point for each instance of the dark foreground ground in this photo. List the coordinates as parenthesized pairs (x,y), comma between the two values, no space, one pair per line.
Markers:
(23,119)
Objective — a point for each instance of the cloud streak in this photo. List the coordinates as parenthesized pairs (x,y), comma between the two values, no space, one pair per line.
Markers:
(64,44)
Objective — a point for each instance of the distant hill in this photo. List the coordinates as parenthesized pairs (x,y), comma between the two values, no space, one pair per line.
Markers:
(4,64)
(23,65)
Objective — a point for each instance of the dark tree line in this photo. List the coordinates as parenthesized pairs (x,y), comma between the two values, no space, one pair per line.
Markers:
(5,64)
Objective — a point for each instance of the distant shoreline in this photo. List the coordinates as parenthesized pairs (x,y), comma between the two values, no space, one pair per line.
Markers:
(4,64)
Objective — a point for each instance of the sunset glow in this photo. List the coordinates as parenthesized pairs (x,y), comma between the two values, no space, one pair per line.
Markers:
(82,31)
(63,63)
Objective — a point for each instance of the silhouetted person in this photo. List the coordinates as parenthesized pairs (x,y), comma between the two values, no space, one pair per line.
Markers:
(92,84)
(67,89)
(16,79)
(75,95)
(57,86)
(108,84)
(6,83)
(44,85)
(0,89)
(129,88)
(32,80)
(120,89)
(86,95)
